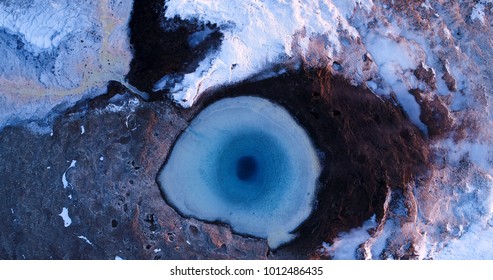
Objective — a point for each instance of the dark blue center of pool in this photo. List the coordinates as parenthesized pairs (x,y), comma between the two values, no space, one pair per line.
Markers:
(249,167)
(246,168)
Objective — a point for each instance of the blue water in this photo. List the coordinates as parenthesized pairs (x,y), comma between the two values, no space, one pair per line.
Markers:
(246,162)
(251,167)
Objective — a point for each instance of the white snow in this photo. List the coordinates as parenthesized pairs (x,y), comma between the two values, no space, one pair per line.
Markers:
(66,219)
(346,7)
(42,27)
(381,241)
(85,239)
(427,5)
(157,250)
(345,246)
(101,158)
(396,60)
(478,12)
(258,35)
(476,243)
(65,182)
(372,86)
(479,153)
(57,52)
(466,203)
(118,258)
(82,130)
(130,104)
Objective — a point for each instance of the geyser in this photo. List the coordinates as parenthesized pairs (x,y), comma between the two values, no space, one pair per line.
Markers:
(246,162)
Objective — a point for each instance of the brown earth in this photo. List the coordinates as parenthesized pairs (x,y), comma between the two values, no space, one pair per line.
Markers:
(368,146)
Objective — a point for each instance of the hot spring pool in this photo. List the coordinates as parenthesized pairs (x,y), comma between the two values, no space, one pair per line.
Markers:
(246,162)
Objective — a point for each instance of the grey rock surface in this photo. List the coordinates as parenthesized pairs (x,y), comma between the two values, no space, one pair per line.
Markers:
(117,143)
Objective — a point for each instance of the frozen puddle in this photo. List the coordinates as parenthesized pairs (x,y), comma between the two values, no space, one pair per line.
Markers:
(66,219)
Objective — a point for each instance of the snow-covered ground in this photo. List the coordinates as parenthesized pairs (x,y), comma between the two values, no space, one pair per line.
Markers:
(260,34)
(380,44)
(59,51)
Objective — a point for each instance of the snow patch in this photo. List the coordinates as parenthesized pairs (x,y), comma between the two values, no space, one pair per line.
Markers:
(478,12)
(476,243)
(85,239)
(65,182)
(427,5)
(379,244)
(66,219)
(82,130)
(126,105)
(346,7)
(396,61)
(345,246)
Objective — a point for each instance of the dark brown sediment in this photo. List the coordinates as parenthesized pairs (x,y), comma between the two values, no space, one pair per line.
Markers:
(368,147)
